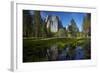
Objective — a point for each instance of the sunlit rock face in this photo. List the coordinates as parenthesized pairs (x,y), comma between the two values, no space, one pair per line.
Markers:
(53,23)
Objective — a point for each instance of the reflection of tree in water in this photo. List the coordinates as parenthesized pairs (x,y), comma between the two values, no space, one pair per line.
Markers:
(57,52)
(79,53)
(54,53)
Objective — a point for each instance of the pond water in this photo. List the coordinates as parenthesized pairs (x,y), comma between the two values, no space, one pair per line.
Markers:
(38,51)
(65,53)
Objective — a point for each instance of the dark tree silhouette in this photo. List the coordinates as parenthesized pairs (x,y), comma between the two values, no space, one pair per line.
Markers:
(73,29)
(27,24)
(37,23)
(87,25)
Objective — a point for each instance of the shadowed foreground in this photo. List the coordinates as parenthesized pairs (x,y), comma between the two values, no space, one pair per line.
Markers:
(56,49)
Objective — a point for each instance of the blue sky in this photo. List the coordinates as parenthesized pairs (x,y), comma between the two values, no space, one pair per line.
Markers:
(66,17)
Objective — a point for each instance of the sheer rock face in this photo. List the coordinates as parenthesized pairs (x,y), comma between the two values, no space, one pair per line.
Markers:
(53,23)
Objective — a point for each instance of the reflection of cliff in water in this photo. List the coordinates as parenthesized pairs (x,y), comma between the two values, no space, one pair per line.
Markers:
(56,53)
(52,53)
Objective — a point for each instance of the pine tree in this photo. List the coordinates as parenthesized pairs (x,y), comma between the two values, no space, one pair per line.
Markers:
(73,29)
(37,23)
(87,25)
(27,24)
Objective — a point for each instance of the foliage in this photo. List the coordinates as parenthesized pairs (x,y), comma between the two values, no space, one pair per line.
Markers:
(27,24)
(87,25)
(73,29)
(61,33)
(37,23)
